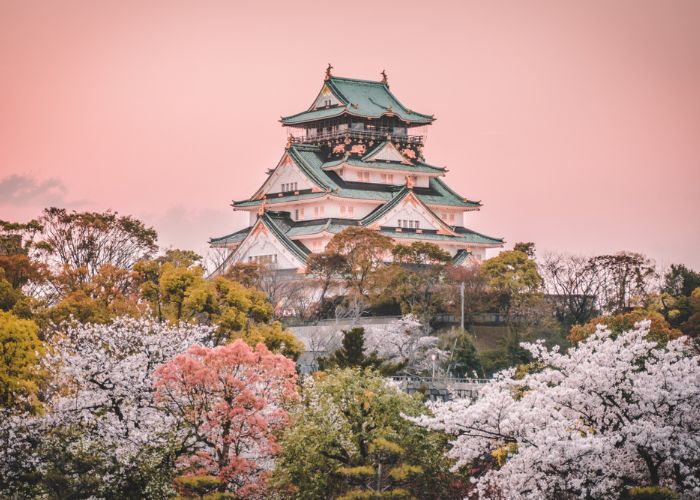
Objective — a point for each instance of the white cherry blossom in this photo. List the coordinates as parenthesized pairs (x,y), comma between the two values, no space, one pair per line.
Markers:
(612,412)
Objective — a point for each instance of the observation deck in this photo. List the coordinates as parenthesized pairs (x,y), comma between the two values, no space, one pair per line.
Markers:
(378,134)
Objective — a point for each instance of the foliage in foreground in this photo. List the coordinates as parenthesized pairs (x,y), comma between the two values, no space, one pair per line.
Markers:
(227,403)
(611,414)
(106,432)
(348,440)
(20,352)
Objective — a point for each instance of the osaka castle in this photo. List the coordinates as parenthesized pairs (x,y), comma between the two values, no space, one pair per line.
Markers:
(354,158)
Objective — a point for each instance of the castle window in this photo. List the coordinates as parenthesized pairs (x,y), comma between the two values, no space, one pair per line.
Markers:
(363,176)
(263,260)
(409,224)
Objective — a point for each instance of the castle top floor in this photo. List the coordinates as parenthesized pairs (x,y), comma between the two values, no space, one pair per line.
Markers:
(359,110)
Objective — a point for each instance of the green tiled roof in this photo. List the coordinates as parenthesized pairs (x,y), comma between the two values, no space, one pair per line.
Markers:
(469,237)
(475,237)
(364,98)
(309,160)
(386,208)
(384,165)
(445,196)
(285,229)
(389,206)
(278,199)
(277,227)
(460,257)
(236,237)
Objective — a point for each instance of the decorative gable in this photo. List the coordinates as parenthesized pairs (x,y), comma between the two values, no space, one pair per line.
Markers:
(387,152)
(261,246)
(326,98)
(410,213)
(286,177)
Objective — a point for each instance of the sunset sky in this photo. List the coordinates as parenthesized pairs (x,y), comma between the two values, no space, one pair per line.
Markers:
(577,123)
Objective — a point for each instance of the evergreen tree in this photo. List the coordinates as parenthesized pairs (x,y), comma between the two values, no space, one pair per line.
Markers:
(352,353)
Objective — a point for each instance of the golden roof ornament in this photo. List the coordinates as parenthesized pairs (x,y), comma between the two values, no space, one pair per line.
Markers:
(290,141)
(384,78)
(328,71)
(261,208)
(410,182)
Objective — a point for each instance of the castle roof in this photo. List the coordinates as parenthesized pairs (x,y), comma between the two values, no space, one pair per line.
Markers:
(361,98)
(286,229)
(309,160)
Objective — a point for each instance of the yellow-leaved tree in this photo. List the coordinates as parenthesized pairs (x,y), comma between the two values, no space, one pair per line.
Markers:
(20,370)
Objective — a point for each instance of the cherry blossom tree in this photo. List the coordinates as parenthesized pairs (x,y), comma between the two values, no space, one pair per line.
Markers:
(228,402)
(100,398)
(404,342)
(103,377)
(611,414)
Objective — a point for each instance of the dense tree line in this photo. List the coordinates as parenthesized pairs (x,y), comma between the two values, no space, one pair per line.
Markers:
(129,373)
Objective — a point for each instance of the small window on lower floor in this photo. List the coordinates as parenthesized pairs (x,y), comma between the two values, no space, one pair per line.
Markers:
(264,260)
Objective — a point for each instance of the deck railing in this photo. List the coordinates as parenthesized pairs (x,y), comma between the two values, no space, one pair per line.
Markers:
(377,134)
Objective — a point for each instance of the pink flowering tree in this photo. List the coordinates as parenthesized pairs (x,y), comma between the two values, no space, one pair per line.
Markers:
(101,430)
(229,401)
(609,415)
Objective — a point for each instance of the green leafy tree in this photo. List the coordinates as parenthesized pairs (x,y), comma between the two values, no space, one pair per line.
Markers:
(691,327)
(515,277)
(416,278)
(327,269)
(679,303)
(627,278)
(17,243)
(680,281)
(348,440)
(478,296)
(77,244)
(275,337)
(110,293)
(463,360)
(245,273)
(20,371)
(176,290)
(364,251)
(528,248)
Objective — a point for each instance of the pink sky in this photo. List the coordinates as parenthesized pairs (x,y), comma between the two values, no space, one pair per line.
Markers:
(576,123)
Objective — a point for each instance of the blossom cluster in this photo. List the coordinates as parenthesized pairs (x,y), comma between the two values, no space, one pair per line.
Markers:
(608,414)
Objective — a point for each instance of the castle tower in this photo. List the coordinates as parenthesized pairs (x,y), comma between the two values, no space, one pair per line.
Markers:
(352,159)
